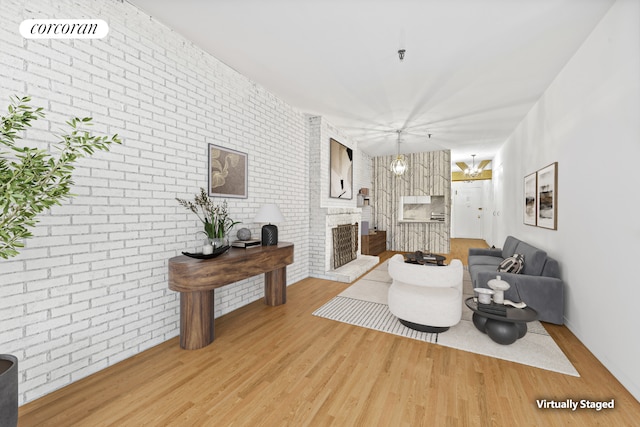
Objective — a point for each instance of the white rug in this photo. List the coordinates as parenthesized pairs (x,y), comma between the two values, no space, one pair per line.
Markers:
(365,304)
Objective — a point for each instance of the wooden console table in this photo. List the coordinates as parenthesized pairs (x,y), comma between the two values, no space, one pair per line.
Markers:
(196,280)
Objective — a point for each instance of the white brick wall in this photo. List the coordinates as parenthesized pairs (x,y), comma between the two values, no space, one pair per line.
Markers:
(90,288)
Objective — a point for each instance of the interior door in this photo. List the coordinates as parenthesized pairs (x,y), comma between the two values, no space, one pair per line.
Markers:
(468,211)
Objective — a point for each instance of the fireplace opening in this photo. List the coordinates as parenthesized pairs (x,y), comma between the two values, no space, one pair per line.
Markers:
(345,244)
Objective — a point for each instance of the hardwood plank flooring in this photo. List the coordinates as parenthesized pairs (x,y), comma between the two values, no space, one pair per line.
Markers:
(282,366)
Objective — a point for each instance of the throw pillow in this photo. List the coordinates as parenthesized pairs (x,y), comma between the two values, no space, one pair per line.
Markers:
(513,264)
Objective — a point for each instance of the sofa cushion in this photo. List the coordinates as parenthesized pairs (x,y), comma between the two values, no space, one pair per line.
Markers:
(513,264)
(484,260)
(534,259)
(509,247)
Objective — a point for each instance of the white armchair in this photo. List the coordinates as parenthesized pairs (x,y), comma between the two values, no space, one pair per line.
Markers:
(426,298)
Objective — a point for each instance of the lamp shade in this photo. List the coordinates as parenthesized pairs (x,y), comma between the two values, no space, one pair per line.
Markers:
(269,214)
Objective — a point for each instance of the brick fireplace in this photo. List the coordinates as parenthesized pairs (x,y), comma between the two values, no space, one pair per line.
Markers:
(327,213)
(327,220)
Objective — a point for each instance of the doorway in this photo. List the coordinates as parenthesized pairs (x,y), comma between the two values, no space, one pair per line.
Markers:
(467,210)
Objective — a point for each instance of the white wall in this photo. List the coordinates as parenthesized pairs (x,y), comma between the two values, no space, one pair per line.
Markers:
(90,289)
(587,121)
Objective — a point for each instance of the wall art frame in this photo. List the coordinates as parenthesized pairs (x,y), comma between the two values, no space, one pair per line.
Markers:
(547,197)
(340,171)
(228,172)
(530,197)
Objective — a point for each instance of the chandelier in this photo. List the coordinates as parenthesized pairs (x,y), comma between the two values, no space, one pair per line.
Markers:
(399,164)
(473,171)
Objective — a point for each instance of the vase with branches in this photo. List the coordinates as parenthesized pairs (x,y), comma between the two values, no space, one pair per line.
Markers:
(215,218)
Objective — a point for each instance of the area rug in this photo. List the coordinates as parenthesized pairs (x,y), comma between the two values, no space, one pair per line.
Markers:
(365,304)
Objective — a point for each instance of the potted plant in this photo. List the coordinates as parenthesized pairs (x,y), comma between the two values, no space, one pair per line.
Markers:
(215,218)
(8,390)
(31,179)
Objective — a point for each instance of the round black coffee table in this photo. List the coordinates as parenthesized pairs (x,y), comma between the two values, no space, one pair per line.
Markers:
(502,329)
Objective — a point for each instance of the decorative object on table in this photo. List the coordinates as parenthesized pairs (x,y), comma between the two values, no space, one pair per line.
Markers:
(207,248)
(215,218)
(520,304)
(228,172)
(245,243)
(484,295)
(244,234)
(530,185)
(419,257)
(215,252)
(8,390)
(31,179)
(547,197)
(340,171)
(269,214)
(499,286)
(493,308)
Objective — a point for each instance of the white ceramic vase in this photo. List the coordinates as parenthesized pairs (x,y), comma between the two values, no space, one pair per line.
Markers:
(498,286)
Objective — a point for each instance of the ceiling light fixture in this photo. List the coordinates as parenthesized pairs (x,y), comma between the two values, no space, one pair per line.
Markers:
(473,171)
(399,164)
(401,54)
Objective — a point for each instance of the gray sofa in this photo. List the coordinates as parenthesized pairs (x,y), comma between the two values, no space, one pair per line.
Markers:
(538,284)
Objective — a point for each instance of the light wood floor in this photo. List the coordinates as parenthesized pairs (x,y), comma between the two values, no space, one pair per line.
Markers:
(281,366)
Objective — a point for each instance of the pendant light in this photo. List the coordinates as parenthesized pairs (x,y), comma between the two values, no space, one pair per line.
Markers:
(399,164)
(473,171)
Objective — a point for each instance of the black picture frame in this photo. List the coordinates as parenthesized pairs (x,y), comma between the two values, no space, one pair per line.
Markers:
(340,171)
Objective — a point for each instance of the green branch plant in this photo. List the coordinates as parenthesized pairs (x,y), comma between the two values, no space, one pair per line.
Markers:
(215,218)
(32,180)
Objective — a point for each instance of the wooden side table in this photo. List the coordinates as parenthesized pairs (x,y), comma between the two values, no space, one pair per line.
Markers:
(196,280)
(374,243)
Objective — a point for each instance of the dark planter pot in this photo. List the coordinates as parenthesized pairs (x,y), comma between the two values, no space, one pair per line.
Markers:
(8,390)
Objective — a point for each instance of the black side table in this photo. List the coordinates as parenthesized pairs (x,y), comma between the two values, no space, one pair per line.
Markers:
(502,329)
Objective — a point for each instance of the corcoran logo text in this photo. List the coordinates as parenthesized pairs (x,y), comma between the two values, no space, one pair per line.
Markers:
(63,28)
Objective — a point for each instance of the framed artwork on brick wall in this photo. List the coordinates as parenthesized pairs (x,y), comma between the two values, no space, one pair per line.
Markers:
(547,197)
(340,171)
(530,192)
(228,172)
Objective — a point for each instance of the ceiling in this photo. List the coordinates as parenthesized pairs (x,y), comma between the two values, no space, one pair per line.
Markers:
(472,68)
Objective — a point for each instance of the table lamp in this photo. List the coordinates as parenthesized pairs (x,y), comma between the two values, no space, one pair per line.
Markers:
(267,214)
